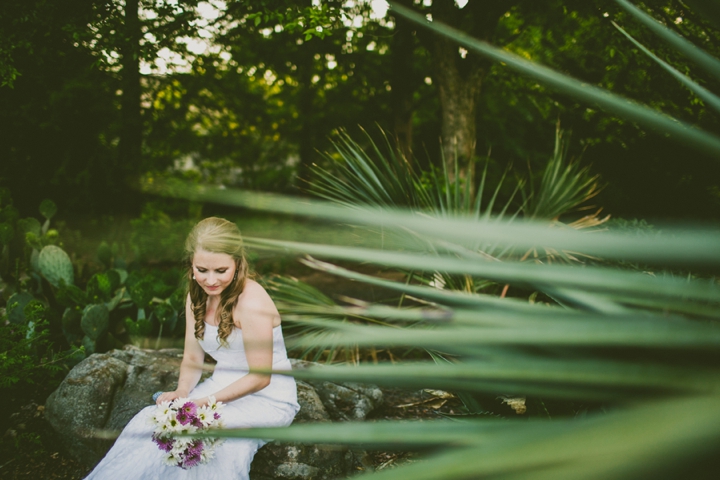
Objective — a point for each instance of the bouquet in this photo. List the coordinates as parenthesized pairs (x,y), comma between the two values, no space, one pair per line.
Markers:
(182,417)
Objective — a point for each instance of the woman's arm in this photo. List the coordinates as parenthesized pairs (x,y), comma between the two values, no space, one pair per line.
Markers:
(256,314)
(192,362)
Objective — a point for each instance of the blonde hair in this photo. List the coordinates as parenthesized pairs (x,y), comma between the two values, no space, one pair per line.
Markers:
(216,235)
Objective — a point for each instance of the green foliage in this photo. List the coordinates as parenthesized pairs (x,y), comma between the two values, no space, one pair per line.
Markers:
(48,209)
(16,307)
(89,317)
(27,356)
(55,266)
(95,320)
(105,254)
(156,236)
(627,338)
(563,187)
(386,178)
(640,346)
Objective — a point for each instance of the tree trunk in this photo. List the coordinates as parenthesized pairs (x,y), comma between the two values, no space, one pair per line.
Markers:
(306,106)
(130,147)
(459,79)
(459,89)
(404,82)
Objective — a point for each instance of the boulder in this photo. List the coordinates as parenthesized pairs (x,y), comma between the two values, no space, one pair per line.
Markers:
(104,391)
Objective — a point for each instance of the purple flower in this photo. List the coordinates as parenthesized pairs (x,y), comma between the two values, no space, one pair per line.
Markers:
(190,408)
(183,417)
(196,422)
(164,444)
(216,416)
(192,455)
(196,447)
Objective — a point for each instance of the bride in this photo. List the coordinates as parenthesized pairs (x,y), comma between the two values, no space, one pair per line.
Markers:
(232,318)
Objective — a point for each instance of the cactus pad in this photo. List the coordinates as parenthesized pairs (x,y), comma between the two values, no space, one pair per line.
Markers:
(29,225)
(89,345)
(55,265)
(99,287)
(71,321)
(16,306)
(48,208)
(95,320)
(138,328)
(104,253)
(6,233)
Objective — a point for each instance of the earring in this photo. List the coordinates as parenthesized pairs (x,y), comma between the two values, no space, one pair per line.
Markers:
(193,277)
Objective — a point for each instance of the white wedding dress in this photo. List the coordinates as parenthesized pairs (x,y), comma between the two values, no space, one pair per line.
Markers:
(134,456)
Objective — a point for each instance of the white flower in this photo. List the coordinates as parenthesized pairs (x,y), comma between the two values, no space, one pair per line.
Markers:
(163,412)
(207,453)
(179,447)
(178,403)
(206,415)
(162,429)
(170,460)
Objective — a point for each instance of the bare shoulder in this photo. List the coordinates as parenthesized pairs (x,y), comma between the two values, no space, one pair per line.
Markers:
(255,302)
(253,293)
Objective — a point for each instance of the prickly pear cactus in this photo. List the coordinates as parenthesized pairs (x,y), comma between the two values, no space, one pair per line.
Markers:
(166,315)
(71,324)
(16,306)
(35,260)
(104,253)
(70,296)
(55,265)
(89,345)
(48,208)
(142,327)
(95,320)
(99,287)
(6,233)
(141,292)
(29,225)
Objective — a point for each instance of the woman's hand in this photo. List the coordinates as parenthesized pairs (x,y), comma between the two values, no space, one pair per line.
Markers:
(169,397)
(201,402)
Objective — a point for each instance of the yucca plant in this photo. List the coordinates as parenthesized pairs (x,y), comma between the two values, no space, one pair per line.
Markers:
(641,347)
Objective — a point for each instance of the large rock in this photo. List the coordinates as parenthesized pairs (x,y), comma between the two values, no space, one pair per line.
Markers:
(319,402)
(104,391)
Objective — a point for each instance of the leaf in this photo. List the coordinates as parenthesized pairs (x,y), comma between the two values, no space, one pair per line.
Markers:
(707,96)
(48,209)
(627,109)
(706,61)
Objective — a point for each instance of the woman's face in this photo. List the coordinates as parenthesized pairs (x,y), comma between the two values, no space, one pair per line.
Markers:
(213,271)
